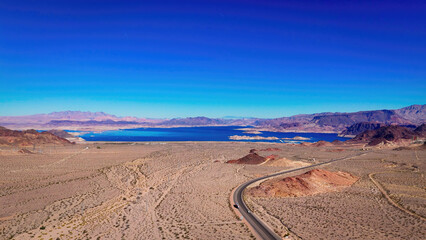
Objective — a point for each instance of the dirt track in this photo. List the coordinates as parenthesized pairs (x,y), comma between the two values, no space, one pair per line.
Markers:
(390,200)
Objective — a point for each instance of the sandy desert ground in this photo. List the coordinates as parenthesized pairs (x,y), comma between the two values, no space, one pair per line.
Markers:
(182,190)
(361,211)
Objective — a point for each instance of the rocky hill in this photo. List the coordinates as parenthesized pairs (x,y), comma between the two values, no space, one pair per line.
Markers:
(360,127)
(421,130)
(251,158)
(309,183)
(29,138)
(60,133)
(389,134)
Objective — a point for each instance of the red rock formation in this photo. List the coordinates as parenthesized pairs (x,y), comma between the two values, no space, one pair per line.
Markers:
(309,183)
(251,158)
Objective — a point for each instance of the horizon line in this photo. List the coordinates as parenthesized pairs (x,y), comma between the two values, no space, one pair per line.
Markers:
(196,116)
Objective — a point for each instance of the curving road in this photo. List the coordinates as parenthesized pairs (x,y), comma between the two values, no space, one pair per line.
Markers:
(258,226)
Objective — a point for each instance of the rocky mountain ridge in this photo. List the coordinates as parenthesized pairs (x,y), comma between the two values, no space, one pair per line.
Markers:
(318,122)
(337,122)
(389,134)
(29,138)
(360,127)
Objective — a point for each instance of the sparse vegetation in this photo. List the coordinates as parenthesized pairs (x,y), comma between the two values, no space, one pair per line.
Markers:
(175,192)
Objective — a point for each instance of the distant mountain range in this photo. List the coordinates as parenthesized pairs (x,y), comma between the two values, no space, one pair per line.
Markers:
(337,122)
(68,115)
(74,120)
(413,115)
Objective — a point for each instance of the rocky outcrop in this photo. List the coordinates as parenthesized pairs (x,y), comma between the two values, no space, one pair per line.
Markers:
(421,130)
(360,127)
(29,138)
(251,158)
(60,133)
(389,134)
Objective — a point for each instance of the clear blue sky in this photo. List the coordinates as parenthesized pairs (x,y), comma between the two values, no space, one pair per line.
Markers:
(211,58)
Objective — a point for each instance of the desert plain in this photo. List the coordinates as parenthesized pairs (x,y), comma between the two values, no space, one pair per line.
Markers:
(181,190)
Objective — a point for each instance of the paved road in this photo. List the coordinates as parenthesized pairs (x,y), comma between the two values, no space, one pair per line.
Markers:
(261,229)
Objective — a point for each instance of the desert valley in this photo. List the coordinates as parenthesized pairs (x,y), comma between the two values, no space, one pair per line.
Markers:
(57,186)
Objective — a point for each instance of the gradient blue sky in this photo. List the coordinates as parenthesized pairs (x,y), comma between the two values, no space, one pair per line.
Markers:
(211,58)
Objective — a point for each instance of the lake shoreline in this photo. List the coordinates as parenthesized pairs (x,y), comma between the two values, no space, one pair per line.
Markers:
(205,134)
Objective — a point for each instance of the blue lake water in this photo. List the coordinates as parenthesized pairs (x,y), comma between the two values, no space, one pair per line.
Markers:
(200,134)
